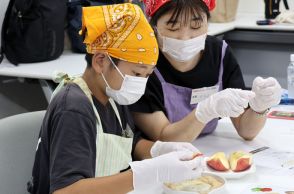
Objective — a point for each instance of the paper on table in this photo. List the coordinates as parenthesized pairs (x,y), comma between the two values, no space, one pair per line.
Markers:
(224,144)
(278,162)
(266,188)
(278,185)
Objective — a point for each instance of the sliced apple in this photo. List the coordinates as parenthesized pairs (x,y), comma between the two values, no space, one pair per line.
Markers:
(197,154)
(240,161)
(218,162)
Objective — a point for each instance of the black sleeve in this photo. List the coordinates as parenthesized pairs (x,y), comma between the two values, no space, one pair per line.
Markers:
(129,120)
(232,77)
(152,100)
(72,149)
(137,137)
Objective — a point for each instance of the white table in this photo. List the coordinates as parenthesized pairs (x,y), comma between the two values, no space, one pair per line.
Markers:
(277,134)
(74,64)
(71,63)
(247,22)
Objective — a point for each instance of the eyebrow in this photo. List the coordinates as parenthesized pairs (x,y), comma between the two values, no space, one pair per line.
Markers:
(144,67)
(176,22)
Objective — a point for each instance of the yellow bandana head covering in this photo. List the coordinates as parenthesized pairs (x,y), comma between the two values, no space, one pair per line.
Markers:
(122,31)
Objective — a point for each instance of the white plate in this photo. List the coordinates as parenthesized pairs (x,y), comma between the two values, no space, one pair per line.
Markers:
(219,190)
(229,174)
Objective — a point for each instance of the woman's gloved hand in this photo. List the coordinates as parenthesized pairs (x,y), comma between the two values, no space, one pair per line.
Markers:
(160,148)
(267,94)
(171,167)
(226,103)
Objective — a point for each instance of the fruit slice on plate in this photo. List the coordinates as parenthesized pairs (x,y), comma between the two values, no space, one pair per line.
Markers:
(197,154)
(240,161)
(218,162)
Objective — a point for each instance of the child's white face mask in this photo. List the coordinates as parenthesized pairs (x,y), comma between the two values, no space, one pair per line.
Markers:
(132,88)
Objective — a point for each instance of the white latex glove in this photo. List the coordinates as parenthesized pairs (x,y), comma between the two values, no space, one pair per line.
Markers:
(267,94)
(226,103)
(171,167)
(160,148)
(285,17)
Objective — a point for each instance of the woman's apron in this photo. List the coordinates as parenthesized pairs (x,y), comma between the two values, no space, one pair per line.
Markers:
(180,101)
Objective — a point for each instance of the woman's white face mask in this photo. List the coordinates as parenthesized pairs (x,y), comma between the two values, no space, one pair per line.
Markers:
(183,50)
(132,88)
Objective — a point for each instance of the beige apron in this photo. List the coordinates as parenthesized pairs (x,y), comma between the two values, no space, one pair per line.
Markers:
(113,152)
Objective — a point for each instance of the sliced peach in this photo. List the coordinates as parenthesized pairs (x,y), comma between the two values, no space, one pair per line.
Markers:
(240,161)
(218,162)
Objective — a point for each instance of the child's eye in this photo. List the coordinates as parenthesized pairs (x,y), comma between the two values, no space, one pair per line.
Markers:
(137,74)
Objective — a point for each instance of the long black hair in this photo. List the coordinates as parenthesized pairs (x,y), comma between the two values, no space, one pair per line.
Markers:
(196,8)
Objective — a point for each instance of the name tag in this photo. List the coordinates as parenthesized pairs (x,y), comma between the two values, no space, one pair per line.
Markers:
(202,93)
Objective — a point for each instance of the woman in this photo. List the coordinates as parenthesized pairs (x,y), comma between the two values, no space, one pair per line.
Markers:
(87,140)
(191,86)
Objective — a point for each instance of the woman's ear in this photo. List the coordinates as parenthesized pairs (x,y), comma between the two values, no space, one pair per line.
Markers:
(99,62)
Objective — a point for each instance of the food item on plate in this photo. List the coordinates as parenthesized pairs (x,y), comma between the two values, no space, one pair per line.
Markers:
(240,161)
(197,154)
(219,162)
(202,185)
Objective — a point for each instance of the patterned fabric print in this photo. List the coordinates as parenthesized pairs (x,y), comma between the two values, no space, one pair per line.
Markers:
(153,5)
(210,4)
(120,22)
(122,31)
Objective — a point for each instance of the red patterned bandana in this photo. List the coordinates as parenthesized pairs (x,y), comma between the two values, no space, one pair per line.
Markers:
(153,5)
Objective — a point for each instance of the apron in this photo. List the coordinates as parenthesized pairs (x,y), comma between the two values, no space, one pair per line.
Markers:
(177,99)
(113,152)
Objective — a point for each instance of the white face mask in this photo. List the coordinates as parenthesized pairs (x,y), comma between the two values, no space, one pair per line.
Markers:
(132,88)
(183,50)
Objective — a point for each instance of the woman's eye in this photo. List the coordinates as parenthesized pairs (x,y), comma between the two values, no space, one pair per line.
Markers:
(195,25)
(173,30)
(195,28)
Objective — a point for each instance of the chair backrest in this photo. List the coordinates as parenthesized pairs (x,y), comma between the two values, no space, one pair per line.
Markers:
(3,7)
(18,141)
